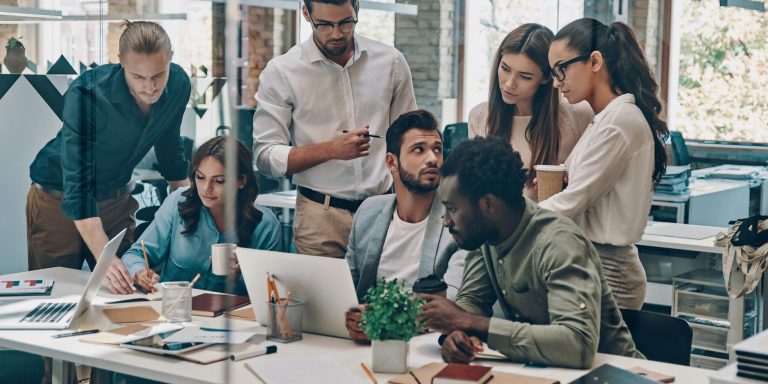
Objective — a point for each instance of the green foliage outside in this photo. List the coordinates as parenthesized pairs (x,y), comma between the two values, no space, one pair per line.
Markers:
(723,92)
(391,313)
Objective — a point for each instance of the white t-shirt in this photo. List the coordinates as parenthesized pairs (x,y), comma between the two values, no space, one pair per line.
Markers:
(401,255)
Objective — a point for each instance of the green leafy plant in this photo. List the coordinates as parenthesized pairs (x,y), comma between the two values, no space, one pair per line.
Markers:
(14,43)
(391,313)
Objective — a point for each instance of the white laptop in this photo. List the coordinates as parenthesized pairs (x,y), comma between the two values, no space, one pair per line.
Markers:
(323,283)
(59,313)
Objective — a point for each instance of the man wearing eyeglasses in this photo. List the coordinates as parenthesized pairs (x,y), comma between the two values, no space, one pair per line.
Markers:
(322,110)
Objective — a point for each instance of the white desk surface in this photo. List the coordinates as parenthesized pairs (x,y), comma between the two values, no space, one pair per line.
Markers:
(699,245)
(282,199)
(423,349)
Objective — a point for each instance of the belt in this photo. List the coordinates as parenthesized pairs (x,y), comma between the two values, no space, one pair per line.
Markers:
(117,193)
(320,198)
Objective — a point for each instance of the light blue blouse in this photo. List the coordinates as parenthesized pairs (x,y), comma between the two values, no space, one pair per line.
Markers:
(186,255)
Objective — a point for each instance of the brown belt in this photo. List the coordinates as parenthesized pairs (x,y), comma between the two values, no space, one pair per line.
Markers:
(120,192)
(317,197)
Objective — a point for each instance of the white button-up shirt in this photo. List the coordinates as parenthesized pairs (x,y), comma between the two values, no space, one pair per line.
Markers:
(304,98)
(609,176)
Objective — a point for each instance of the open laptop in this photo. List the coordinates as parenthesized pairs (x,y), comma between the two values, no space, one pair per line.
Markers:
(59,313)
(324,284)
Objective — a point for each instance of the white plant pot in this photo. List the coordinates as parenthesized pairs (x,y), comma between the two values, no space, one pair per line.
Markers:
(390,356)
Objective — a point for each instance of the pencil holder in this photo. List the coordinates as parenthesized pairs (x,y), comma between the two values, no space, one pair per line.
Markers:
(284,321)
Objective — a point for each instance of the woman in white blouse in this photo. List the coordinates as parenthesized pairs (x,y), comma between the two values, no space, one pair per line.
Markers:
(524,108)
(613,168)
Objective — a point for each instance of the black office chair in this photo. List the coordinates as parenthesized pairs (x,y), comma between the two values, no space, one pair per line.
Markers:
(660,337)
(453,134)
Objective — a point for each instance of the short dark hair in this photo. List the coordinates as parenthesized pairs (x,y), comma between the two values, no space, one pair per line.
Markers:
(355,3)
(487,166)
(419,119)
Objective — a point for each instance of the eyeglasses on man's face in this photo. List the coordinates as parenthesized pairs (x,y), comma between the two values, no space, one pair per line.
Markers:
(558,71)
(345,26)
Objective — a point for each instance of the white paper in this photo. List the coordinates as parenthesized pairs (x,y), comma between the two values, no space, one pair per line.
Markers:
(317,370)
(201,335)
(151,331)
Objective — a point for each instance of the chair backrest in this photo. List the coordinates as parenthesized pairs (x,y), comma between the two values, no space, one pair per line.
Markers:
(660,337)
(679,148)
(452,135)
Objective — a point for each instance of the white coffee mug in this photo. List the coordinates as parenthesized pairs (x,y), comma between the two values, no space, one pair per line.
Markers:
(220,257)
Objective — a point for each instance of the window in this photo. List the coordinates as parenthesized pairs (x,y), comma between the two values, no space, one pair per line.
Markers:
(723,73)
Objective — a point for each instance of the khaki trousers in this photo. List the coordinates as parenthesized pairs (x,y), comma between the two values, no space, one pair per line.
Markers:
(624,273)
(53,239)
(319,230)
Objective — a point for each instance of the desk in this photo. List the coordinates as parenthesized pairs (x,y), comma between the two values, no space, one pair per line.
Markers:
(711,202)
(424,349)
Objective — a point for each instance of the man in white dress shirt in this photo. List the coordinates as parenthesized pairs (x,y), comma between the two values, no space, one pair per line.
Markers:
(322,111)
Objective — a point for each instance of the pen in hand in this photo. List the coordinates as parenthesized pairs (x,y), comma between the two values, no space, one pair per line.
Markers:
(368,135)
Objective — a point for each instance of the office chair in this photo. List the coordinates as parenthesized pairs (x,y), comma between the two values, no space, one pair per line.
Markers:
(660,337)
(452,135)
(679,149)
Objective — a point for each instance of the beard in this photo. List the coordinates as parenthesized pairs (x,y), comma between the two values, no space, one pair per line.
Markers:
(411,182)
(330,51)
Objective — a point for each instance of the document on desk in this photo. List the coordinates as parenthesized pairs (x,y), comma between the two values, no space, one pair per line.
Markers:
(128,333)
(685,231)
(212,335)
(318,370)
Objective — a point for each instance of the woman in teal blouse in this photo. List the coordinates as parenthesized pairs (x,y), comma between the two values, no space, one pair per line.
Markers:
(192,219)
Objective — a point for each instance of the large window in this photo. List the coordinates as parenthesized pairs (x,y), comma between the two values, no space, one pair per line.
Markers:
(722,92)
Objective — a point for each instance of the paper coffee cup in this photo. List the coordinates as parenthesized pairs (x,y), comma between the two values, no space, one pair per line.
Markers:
(220,257)
(550,180)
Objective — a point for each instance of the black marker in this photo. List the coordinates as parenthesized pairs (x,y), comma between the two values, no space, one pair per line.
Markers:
(76,333)
(368,135)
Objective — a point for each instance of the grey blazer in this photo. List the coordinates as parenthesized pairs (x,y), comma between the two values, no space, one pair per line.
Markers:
(366,242)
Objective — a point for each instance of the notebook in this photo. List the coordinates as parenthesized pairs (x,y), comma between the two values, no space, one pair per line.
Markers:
(462,374)
(137,314)
(316,370)
(608,374)
(426,372)
(212,305)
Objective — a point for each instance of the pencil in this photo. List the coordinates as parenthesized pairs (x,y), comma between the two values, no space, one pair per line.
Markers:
(368,373)
(146,259)
(192,283)
(368,135)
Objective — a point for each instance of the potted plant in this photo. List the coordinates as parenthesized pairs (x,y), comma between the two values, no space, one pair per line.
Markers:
(390,320)
(15,56)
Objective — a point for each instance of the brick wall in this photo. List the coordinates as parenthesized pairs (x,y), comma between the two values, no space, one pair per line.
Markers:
(645,19)
(427,41)
(261,27)
(7,31)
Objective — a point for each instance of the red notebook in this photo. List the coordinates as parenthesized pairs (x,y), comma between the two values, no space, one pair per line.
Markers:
(462,374)
(212,305)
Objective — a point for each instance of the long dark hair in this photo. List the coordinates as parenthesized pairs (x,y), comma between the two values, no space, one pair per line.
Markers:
(248,217)
(628,70)
(542,133)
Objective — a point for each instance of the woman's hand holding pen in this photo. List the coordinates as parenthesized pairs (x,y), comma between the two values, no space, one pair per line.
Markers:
(352,144)
(147,278)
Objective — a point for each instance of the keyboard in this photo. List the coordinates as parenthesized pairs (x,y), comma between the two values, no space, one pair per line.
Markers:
(48,313)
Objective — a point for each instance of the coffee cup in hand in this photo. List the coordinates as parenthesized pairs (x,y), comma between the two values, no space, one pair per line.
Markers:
(220,255)
(549,180)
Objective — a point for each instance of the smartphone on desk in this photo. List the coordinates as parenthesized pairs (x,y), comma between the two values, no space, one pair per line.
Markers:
(155,344)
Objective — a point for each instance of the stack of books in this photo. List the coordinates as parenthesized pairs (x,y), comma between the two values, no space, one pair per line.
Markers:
(25,287)
(752,357)
(674,184)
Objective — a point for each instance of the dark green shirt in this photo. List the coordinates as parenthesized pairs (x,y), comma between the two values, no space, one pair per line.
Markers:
(557,306)
(105,135)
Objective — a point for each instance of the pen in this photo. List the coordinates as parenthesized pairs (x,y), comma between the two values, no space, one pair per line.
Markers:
(76,333)
(146,259)
(215,329)
(368,135)
(368,372)
(258,352)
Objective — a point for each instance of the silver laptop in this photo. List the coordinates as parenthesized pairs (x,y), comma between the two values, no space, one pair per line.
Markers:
(59,313)
(323,283)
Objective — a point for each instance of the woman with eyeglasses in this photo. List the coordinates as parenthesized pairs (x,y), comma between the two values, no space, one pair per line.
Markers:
(613,168)
(524,108)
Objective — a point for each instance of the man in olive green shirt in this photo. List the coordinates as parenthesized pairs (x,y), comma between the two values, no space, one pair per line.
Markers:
(546,275)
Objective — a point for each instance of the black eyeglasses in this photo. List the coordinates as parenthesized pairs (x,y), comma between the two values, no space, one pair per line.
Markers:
(558,71)
(345,26)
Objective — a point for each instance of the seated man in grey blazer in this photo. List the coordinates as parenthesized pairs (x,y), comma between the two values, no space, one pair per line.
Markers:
(401,235)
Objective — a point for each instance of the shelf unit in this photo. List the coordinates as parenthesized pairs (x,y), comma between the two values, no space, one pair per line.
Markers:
(718,322)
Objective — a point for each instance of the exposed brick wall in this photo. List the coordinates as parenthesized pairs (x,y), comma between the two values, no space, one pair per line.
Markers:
(645,19)
(427,42)
(7,31)
(261,48)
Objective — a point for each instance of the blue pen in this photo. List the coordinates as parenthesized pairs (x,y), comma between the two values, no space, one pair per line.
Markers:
(214,329)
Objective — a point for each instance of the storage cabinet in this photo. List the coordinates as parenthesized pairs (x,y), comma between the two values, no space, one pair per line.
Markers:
(717,321)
